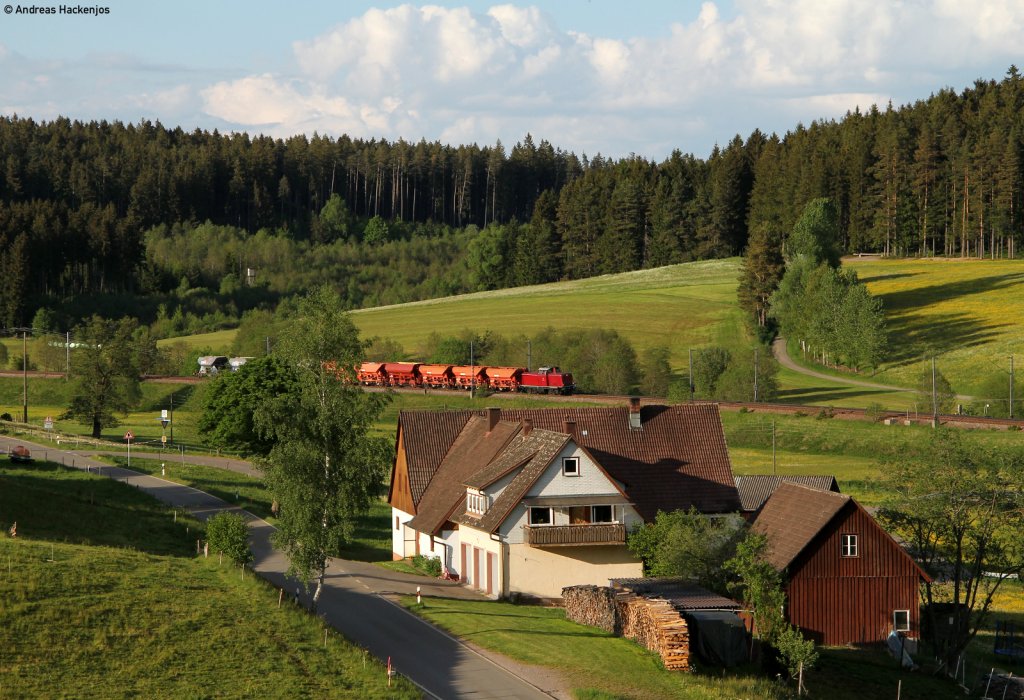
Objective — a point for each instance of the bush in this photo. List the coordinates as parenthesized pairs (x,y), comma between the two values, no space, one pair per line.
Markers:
(431,566)
(227,533)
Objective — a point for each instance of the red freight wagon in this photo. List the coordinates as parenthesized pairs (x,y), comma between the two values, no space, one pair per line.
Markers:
(503,378)
(469,376)
(547,380)
(402,373)
(372,374)
(437,376)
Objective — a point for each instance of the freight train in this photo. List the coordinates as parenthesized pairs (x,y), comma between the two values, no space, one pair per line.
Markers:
(545,380)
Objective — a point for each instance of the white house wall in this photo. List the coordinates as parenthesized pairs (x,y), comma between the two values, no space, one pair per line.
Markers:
(398,520)
(543,573)
(591,479)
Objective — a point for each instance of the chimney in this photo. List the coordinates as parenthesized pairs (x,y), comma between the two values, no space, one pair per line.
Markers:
(569,428)
(634,413)
(527,426)
(493,416)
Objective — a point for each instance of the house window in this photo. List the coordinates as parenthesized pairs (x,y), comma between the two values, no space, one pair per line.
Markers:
(901,620)
(397,524)
(602,514)
(848,546)
(571,466)
(540,516)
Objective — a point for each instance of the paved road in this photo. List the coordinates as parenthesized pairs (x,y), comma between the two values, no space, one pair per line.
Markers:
(355,601)
(782,355)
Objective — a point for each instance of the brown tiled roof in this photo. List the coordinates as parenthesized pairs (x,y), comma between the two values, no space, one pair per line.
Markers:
(427,437)
(535,452)
(792,516)
(474,448)
(677,459)
(754,490)
(681,593)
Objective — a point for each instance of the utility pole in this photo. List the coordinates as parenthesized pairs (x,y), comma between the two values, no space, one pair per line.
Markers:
(755,375)
(67,350)
(172,416)
(24,374)
(472,372)
(690,371)
(529,355)
(1011,387)
(268,344)
(773,448)
(935,401)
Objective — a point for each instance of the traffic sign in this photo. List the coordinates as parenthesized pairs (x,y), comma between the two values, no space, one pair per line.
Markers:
(48,423)
(163,439)
(129,436)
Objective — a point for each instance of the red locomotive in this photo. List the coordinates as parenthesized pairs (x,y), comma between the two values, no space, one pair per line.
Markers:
(546,380)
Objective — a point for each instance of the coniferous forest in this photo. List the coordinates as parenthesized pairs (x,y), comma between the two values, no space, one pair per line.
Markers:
(164,224)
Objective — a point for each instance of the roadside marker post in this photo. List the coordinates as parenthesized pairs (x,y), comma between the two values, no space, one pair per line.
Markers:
(129,436)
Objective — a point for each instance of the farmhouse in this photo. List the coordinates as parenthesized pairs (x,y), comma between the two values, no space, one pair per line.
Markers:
(848,581)
(529,501)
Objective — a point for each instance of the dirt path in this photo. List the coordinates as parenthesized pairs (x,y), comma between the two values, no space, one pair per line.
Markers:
(782,355)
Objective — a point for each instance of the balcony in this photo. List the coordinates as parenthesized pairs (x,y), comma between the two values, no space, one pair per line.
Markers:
(575,535)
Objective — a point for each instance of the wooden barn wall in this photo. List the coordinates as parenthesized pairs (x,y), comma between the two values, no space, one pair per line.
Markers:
(849,600)
(400,495)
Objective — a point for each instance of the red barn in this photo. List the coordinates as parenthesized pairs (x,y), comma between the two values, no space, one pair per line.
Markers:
(848,580)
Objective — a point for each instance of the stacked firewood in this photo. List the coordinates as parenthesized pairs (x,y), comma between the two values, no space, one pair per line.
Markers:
(593,606)
(651,623)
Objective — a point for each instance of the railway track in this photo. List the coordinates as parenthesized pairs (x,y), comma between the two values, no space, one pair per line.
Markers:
(908,418)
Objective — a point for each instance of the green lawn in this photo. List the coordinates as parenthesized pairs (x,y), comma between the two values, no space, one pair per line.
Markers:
(598,665)
(103,597)
(219,342)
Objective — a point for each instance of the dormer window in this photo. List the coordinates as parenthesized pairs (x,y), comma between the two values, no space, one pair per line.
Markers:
(476,502)
(571,466)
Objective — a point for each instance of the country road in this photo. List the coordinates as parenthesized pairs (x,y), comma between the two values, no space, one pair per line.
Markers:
(358,600)
(783,358)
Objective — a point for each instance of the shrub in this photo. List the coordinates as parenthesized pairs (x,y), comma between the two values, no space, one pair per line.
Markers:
(431,566)
(227,533)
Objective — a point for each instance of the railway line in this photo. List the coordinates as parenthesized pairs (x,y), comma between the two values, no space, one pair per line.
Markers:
(893,417)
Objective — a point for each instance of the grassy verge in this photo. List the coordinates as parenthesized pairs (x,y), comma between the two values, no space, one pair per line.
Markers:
(101,599)
(596,664)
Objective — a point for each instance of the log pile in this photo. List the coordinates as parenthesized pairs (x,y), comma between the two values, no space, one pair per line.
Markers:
(592,605)
(652,623)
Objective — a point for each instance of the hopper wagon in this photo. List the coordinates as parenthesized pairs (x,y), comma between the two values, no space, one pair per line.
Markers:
(466,377)
(437,376)
(503,378)
(372,374)
(403,374)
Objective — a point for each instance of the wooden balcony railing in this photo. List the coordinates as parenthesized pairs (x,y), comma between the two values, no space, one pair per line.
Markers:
(575,535)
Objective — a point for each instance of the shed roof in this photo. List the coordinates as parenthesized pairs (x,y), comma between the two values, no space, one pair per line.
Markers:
(755,489)
(792,516)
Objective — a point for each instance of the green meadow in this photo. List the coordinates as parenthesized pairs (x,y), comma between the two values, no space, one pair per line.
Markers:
(104,597)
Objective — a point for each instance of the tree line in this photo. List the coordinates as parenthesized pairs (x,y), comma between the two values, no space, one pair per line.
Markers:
(940,176)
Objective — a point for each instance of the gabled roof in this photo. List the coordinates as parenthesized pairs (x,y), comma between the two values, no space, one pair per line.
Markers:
(792,517)
(754,490)
(676,459)
(474,448)
(535,453)
(427,436)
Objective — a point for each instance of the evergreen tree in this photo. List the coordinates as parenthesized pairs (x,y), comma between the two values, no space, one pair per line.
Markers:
(763,267)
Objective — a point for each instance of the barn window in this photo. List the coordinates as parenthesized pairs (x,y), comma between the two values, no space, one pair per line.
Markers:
(901,620)
(571,466)
(540,516)
(848,546)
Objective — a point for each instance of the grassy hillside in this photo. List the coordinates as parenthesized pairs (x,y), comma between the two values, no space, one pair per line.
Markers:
(968,314)
(680,306)
(104,598)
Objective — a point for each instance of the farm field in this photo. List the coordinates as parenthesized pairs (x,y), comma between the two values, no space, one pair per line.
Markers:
(104,598)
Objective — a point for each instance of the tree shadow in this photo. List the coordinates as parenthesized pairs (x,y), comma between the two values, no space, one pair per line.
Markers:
(821,394)
(915,335)
(889,276)
(923,296)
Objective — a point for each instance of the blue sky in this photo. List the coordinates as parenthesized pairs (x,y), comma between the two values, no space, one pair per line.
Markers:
(588,75)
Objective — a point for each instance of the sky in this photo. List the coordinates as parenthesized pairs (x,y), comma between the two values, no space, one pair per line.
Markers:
(591,76)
